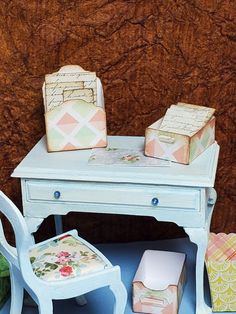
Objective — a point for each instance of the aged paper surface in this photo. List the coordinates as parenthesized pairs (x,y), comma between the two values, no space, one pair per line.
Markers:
(58,86)
(86,94)
(124,157)
(185,119)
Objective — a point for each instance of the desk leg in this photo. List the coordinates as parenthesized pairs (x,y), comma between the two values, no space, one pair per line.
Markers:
(199,236)
(58,224)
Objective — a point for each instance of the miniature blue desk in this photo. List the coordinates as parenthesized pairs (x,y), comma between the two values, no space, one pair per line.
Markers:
(57,183)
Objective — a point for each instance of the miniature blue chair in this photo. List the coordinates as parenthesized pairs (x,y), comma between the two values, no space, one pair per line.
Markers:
(62,267)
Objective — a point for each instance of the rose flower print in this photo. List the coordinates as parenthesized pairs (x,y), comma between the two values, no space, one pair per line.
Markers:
(63,257)
(66,271)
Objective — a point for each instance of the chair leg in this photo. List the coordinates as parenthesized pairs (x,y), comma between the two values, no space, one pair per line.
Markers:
(17,293)
(45,305)
(120,295)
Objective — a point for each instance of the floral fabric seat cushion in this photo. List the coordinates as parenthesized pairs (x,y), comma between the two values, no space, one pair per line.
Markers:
(63,258)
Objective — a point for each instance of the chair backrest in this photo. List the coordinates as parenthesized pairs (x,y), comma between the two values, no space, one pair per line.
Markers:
(23,238)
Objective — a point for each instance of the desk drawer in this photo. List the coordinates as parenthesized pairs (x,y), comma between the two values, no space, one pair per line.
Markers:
(150,196)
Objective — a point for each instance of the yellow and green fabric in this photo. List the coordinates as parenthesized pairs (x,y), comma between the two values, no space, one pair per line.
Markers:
(221,268)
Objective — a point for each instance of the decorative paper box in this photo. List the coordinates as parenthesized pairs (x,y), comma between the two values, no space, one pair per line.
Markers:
(221,268)
(158,283)
(74,110)
(182,148)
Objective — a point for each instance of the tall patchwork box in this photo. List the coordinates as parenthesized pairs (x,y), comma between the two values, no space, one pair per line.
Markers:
(159,282)
(75,116)
(182,134)
(221,269)
(5,286)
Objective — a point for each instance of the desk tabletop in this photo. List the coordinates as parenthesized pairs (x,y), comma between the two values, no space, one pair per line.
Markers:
(74,166)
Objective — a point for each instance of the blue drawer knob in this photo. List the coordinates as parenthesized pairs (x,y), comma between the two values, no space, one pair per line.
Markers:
(155,201)
(57,195)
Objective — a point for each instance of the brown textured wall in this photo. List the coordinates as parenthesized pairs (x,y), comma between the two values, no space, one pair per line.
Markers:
(148,54)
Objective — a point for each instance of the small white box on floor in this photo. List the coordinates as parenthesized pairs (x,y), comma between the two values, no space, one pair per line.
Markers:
(158,283)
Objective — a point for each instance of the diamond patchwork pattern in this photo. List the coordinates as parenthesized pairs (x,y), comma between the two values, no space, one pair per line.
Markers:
(204,139)
(183,149)
(75,125)
(85,135)
(177,151)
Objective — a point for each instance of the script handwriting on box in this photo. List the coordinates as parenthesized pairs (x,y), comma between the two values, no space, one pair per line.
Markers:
(185,119)
(86,94)
(63,86)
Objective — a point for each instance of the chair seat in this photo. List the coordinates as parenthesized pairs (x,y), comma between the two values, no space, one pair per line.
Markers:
(63,258)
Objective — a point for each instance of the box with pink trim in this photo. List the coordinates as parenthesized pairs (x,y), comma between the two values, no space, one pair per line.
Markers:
(182,134)
(221,269)
(158,283)
(75,117)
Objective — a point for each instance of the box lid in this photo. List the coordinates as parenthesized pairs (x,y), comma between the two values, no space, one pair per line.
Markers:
(159,269)
(185,119)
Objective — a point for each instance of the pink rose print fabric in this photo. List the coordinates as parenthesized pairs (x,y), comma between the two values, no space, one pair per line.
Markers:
(64,258)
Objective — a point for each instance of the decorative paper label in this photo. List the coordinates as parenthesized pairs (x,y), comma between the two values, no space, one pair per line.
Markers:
(124,157)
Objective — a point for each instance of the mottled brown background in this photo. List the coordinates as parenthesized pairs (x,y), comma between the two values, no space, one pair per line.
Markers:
(148,54)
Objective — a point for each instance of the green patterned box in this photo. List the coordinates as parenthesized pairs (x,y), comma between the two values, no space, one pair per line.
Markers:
(221,268)
(5,286)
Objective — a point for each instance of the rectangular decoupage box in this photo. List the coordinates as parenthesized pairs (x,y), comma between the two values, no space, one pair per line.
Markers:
(158,283)
(74,110)
(221,269)
(182,134)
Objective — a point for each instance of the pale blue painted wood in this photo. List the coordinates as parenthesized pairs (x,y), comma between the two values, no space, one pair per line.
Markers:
(185,192)
(111,193)
(74,165)
(199,236)
(43,292)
